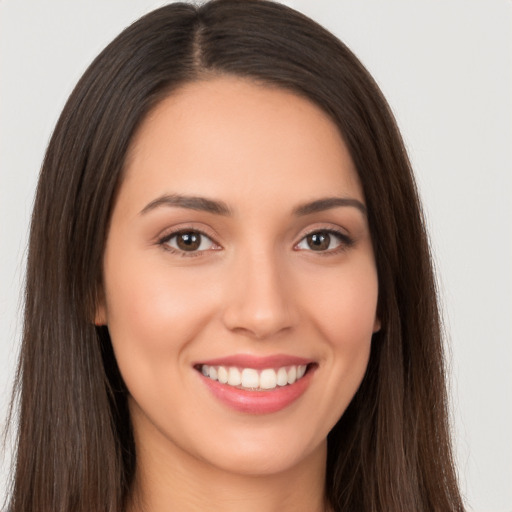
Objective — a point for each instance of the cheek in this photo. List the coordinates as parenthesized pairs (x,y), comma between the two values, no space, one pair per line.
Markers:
(345,315)
(345,304)
(342,305)
(152,311)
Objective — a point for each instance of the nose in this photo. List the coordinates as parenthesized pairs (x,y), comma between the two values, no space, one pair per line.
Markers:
(260,302)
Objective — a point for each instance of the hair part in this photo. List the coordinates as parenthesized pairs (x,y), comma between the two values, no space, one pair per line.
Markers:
(391,449)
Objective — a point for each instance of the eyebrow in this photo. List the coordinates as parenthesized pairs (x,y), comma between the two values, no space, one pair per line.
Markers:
(190,202)
(221,208)
(328,203)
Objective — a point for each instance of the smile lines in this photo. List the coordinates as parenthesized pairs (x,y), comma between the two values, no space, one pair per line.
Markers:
(252,379)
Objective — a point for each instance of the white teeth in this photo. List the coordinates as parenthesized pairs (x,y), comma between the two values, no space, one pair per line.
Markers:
(250,378)
(282,377)
(268,379)
(222,375)
(234,377)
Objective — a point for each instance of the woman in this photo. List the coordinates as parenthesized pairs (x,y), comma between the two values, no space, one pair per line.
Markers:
(230,301)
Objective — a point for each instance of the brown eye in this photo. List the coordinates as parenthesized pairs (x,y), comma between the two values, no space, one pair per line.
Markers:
(319,241)
(189,241)
(324,241)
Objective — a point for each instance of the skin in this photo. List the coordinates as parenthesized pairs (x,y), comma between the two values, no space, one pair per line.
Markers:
(255,286)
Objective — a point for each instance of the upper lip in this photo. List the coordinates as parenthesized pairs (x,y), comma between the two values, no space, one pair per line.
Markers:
(256,362)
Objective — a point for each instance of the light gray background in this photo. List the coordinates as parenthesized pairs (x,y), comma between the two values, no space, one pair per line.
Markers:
(445,68)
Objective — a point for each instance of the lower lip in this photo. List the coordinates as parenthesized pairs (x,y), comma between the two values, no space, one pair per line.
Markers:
(259,402)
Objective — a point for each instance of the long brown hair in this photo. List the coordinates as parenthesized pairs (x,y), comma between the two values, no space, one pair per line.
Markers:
(391,450)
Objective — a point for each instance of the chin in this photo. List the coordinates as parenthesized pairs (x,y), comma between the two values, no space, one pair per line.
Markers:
(265,455)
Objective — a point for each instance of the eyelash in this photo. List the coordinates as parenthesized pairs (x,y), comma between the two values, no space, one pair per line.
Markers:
(345,242)
(164,242)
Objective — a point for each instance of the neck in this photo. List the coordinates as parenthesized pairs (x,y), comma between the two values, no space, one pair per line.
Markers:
(169,479)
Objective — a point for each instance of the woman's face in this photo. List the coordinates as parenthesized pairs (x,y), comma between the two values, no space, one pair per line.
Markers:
(240,286)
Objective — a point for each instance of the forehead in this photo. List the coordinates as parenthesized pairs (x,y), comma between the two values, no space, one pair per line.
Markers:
(229,135)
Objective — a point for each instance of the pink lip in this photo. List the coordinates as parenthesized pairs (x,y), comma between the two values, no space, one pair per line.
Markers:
(258,402)
(256,362)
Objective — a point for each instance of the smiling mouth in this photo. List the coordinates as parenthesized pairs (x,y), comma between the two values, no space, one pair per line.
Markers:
(251,379)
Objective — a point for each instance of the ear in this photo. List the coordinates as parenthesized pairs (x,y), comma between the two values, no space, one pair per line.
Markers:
(100,318)
(376,325)
(100,314)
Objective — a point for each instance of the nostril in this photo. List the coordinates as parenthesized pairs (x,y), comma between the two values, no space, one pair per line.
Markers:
(259,305)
